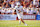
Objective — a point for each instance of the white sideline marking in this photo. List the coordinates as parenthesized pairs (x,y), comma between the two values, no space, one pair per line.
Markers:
(28,25)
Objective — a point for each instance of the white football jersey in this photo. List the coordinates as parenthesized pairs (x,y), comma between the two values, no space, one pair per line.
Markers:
(19,8)
(19,14)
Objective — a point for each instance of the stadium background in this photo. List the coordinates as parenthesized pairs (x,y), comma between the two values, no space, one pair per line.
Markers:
(8,17)
(7,9)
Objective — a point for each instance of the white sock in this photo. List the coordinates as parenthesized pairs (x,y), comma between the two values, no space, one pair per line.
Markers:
(25,24)
(19,22)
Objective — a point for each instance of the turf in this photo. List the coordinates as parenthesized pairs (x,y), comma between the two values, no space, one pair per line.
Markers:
(12,23)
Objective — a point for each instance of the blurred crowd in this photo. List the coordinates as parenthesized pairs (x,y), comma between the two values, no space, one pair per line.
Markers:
(27,6)
(12,3)
(25,11)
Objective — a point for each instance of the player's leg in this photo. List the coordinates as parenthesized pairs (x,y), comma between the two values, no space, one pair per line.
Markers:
(23,21)
(19,20)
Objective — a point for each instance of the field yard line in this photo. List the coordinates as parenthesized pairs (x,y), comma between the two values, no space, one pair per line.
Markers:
(28,25)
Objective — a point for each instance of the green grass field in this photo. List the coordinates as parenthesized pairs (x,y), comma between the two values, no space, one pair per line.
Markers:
(12,23)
